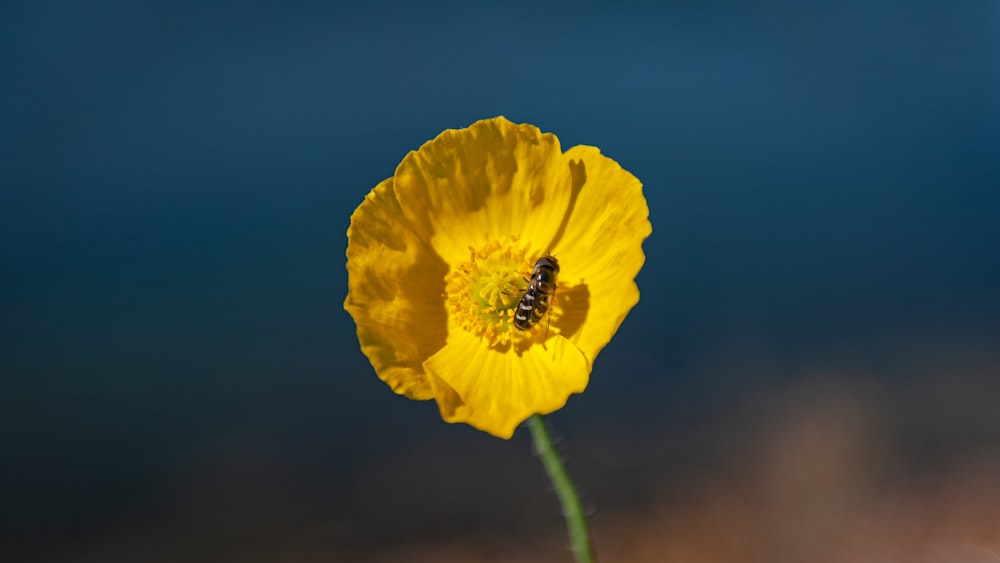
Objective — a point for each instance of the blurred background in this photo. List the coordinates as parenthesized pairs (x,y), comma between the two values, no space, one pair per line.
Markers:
(811,374)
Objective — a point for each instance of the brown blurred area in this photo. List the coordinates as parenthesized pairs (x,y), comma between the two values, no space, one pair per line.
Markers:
(830,467)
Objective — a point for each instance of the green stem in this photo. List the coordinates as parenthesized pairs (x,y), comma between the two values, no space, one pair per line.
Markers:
(576,520)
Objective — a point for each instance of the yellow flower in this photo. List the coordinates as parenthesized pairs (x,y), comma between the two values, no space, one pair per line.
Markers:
(440,255)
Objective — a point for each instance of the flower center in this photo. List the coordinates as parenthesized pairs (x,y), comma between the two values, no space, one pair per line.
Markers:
(483,293)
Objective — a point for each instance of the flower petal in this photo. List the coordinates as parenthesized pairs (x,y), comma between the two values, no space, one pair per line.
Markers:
(600,251)
(395,282)
(493,178)
(495,390)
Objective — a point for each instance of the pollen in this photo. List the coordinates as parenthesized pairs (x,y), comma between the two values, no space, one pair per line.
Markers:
(482,293)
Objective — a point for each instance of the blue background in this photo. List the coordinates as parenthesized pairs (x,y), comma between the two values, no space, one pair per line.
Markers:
(176,181)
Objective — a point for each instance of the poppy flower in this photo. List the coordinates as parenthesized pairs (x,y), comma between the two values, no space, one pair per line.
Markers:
(441,255)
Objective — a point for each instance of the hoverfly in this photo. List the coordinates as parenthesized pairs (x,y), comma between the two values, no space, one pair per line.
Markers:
(535,301)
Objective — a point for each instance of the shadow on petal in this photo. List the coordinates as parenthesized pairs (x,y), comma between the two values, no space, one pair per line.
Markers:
(578,170)
(395,296)
(423,287)
(566,317)
(448,401)
(571,309)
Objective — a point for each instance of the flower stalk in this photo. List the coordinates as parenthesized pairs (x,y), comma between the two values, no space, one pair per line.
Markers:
(576,519)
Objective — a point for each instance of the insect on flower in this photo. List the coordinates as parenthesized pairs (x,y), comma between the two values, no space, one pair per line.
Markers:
(541,287)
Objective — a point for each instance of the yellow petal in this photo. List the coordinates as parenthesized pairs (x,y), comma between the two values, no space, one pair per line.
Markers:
(493,178)
(600,251)
(496,390)
(395,283)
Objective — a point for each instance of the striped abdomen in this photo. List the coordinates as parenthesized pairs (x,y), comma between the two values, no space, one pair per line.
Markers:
(535,301)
